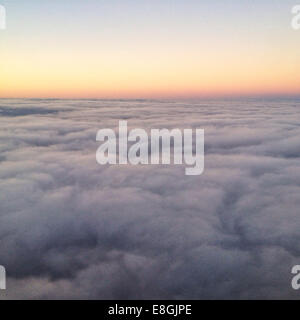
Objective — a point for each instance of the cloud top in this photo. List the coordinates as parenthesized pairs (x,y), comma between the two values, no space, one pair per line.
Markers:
(70,228)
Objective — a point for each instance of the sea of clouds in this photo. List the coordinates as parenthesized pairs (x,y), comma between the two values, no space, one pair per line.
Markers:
(71,228)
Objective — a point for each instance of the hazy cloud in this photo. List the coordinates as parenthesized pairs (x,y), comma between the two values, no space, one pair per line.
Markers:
(70,228)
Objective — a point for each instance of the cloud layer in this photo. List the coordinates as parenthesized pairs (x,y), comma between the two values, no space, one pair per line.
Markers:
(70,228)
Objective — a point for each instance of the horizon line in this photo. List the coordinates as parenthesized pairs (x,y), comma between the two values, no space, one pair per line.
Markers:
(217,97)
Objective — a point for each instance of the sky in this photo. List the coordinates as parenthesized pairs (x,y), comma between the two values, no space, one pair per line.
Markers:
(148,49)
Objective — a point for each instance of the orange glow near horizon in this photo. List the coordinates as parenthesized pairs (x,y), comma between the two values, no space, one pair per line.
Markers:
(189,61)
(62,75)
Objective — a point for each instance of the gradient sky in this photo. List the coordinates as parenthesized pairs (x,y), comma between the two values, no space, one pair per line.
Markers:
(148,48)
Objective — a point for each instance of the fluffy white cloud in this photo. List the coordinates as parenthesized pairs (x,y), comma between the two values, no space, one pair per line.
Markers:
(70,228)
